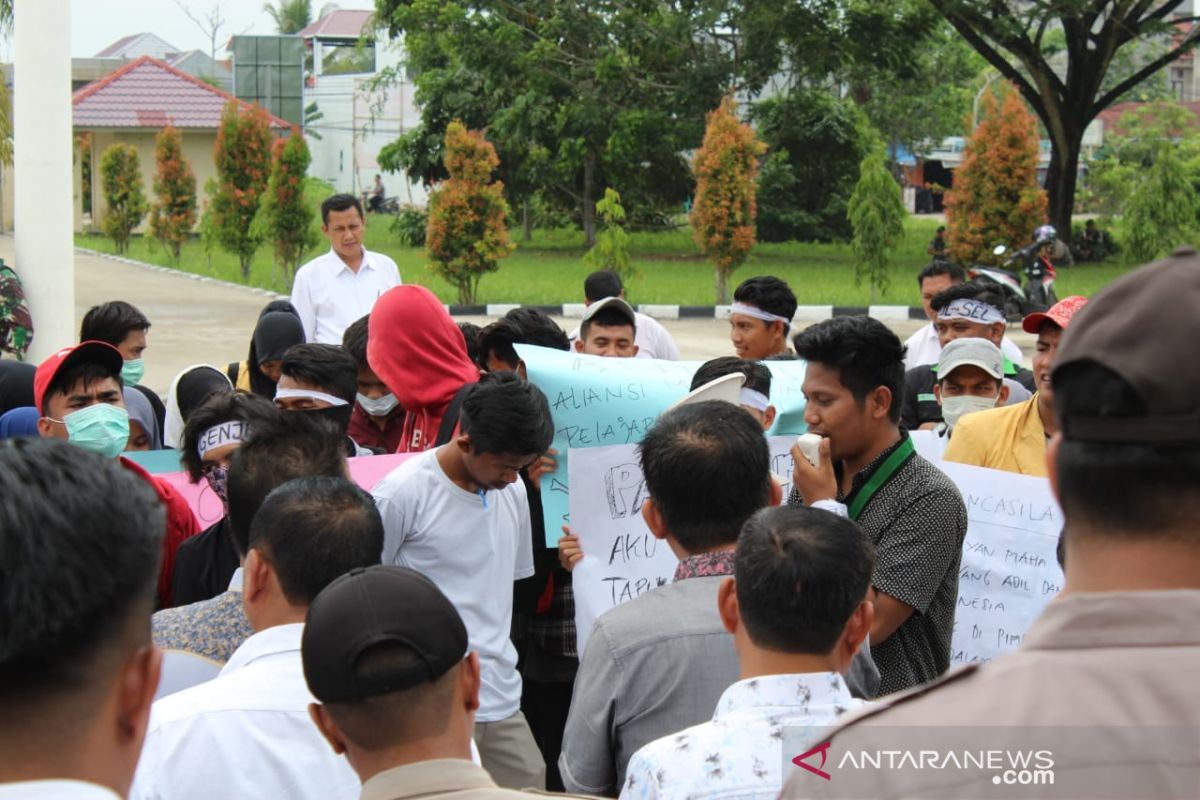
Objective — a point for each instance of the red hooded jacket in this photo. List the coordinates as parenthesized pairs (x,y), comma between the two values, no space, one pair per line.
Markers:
(418,352)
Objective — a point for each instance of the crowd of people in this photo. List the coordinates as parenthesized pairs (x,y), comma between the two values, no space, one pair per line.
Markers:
(416,638)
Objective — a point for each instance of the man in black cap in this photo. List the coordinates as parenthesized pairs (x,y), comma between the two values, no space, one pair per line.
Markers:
(1103,682)
(385,653)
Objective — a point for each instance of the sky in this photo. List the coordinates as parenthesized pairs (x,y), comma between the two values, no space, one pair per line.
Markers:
(95,24)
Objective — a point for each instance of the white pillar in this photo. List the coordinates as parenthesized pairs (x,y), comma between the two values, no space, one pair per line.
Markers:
(42,144)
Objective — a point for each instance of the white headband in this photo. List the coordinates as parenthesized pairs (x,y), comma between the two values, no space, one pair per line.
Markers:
(756,400)
(232,432)
(758,313)
(312,394)
(972,311)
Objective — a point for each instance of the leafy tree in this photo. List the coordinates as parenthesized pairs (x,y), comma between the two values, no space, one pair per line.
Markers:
(1161,211)
(173,214)
(468,228)
(1063,57)
(243,159)
(722,216)
(877,213)
(799,196)
(996,197)
(284,217)
(121,181)
(612,242)
(293,16)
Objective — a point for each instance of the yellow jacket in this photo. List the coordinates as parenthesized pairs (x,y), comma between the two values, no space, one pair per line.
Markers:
(1010,438)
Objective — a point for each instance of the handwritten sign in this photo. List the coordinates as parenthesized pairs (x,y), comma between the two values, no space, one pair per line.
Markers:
(366,472)
(1009,569)
(600,402)
(621,558)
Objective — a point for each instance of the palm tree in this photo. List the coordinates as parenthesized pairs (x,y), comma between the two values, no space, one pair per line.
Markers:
(291,16)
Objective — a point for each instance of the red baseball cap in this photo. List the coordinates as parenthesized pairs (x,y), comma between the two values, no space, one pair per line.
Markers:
(101,352)
(1060,314)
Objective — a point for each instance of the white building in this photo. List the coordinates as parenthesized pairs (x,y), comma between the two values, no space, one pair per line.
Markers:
(357,121)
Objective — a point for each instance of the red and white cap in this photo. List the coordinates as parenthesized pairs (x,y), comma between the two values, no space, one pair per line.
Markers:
(101,352)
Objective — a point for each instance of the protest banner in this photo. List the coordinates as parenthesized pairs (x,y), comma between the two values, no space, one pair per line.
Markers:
(365,471)
(598,402)
(1009,570)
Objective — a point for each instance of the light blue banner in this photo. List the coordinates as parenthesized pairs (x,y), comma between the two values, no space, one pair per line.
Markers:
(156,461)
(605,401)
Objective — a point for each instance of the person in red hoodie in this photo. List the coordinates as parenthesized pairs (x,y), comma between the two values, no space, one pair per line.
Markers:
(419,353)
(78,395)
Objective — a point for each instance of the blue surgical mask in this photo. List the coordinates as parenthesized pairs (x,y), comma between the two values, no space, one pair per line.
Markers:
(132,371)
(101,428)
(378,406)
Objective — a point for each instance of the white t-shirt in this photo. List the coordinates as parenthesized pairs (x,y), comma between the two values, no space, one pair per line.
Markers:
(329,296)
(923,348)
(473,548)
(652,339)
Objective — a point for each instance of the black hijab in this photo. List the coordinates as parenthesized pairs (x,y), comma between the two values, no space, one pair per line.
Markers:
(278,329)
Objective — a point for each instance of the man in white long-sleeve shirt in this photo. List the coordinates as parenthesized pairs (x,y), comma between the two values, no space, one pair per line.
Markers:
(335,289)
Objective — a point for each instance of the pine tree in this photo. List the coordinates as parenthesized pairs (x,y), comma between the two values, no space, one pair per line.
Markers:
(611,250)
(121,181)
(467,234)
(243,159)
(1161,212)
(285,216)
(173,214)
(877,213)
(722,216)
(996,198)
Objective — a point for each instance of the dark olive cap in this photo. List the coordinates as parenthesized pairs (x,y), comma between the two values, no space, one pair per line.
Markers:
(382,604)
(1144,326)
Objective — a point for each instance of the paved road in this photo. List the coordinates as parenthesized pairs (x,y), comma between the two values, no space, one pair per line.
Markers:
(198,321)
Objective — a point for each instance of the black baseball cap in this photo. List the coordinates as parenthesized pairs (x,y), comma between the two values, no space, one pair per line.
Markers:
(1144,327)
(378,605)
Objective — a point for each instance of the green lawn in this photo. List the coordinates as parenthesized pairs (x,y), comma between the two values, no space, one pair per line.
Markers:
(548,269)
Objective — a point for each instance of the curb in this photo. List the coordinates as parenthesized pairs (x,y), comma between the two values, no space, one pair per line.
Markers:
(568,310)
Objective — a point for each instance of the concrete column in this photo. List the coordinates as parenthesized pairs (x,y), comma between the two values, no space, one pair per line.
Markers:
(42,146)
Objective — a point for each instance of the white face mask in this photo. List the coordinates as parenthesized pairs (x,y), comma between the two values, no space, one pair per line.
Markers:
(378,406)
(955,408)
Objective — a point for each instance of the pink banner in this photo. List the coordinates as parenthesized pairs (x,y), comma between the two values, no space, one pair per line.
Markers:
(366,472)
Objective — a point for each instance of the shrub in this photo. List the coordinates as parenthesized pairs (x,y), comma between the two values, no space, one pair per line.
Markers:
(243,159)
(121,181)
(173,214)
(409,225)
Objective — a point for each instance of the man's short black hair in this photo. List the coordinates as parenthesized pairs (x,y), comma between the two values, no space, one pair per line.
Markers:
(218,408)
(81,539)
(326,366)
(863,350)
(470,332)
(111,322)
(503,413)
(801,572)
(538,328)
(278,450)
(601,284)
(354,340)
(1127,489)
(607,318)
(971,290)
(957,274)
(340,202)
(707,468)
(767,293)
(315,529)
(65,379)
(758,377)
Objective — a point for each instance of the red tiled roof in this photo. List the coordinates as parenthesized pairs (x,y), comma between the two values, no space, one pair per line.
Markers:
(340,24)
(1111,116)
(148,93)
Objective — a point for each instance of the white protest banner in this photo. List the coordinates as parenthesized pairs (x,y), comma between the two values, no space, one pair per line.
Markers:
(930,445)
(621,558)
(1009,570)
(597,402)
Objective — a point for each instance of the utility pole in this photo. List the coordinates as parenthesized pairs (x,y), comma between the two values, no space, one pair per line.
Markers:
(44,213)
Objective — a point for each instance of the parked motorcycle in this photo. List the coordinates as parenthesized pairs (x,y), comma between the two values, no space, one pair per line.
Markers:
(1037,293)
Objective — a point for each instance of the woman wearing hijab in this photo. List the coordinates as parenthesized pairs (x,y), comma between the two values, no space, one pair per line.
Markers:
(278,328)
(143,424)
(188,391)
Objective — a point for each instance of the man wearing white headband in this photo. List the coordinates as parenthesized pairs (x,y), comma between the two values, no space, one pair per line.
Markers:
(321,379)
(756,391)
(760,318)
(924,345)
(967,310)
